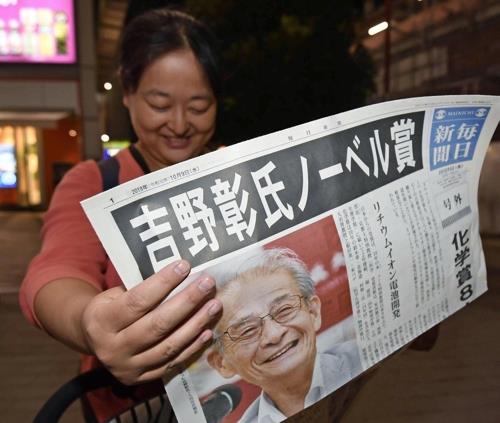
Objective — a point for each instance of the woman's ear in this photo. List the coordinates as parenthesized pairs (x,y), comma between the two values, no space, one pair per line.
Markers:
(217,361)
(125,100)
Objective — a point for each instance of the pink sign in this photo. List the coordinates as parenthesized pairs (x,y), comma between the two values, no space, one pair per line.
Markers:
(37,31)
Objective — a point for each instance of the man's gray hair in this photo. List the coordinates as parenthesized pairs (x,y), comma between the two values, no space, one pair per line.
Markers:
(263,262)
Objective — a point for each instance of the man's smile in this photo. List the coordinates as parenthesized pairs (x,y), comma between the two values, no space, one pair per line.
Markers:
(282,351)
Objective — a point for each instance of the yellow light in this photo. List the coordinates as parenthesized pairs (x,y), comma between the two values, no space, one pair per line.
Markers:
(382,26)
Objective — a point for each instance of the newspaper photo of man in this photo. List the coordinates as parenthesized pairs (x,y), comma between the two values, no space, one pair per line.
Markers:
(267,335)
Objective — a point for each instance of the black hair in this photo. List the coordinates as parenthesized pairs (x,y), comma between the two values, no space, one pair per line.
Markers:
(160,31)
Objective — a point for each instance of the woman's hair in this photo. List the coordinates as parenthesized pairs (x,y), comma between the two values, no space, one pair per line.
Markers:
(158,32)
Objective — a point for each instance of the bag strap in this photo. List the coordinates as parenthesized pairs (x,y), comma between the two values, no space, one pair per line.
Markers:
(110,172)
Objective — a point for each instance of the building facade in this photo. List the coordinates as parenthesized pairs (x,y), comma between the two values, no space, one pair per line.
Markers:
(440,47)
(433,47)
(48,105)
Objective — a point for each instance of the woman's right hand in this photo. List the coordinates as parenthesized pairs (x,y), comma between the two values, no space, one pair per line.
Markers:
(139,338)
(136,336)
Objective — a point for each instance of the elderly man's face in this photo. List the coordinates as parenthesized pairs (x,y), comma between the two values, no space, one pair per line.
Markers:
(266,350)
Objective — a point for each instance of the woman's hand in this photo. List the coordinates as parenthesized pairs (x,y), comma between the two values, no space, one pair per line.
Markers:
(137,337)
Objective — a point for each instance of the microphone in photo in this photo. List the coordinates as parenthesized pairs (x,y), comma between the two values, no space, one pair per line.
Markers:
(221,402)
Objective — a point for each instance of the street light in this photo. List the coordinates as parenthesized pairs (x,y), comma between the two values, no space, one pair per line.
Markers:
(382,26)
(387,49)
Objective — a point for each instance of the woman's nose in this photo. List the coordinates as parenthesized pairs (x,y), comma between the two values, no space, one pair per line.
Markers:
(177,122)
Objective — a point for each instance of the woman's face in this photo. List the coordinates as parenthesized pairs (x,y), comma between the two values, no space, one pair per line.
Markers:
(173,109)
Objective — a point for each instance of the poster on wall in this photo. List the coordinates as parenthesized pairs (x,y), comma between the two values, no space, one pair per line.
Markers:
(37,31)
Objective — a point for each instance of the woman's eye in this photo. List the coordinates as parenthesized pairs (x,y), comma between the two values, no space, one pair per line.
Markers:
(159,108)
(199,107)
(198,111)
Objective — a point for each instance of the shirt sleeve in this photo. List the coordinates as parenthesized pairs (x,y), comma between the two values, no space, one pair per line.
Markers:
(70,247)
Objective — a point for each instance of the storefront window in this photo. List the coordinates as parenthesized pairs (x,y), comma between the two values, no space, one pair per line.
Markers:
(8,174)
(19,163)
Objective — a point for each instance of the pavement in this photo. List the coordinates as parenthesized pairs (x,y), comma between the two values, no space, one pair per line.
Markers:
(32,364)
(457,381)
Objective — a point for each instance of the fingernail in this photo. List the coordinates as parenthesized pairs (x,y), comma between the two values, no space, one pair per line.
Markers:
(182,267)
(206,336)
(206,284)
(214,308)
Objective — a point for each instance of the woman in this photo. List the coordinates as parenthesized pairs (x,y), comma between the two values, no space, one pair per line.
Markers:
(170,82)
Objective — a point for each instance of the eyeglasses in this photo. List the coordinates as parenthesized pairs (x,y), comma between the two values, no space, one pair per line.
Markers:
(251,328)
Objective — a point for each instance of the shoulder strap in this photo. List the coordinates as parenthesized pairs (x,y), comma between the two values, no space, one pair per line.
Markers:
(110,171)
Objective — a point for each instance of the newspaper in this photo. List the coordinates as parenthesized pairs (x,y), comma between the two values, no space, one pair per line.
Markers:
(378,203)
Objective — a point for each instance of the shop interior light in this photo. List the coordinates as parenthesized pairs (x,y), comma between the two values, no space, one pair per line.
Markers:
(104,137)
(72,133)
(108,86)
(382,26)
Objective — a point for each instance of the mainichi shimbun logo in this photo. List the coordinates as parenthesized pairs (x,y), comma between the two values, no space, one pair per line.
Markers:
(440,114)
(481,112)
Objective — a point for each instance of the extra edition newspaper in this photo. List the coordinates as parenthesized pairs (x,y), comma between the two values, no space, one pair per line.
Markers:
(333,244)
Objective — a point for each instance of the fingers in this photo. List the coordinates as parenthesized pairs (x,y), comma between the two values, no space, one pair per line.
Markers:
(160,322)
(139,336)
(174,366)
(171,353)
(173,345)
(138,301)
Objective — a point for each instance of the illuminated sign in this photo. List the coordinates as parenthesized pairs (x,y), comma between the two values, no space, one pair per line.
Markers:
(111,148)
(37,31)
(8,178)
